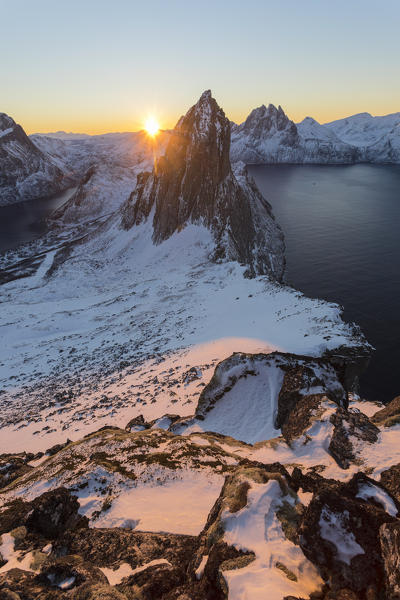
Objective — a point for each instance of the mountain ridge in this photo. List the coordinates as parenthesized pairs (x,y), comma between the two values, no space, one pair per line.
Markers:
(25,171)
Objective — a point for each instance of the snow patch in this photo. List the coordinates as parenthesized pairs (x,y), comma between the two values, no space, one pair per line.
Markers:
(333,530)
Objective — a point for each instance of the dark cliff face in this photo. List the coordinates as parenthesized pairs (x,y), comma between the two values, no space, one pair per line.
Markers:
(194,183)
(25,172)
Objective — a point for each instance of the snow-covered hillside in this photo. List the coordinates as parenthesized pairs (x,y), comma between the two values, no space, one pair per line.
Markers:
(377,137)
(113,307)
(363,129)
(104,167)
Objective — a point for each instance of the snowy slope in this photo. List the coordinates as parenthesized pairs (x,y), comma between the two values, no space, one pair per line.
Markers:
(363,129)
(113,160)
(99,332)
(103,313)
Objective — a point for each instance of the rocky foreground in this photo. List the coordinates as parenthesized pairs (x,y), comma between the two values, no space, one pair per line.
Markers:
(176,509)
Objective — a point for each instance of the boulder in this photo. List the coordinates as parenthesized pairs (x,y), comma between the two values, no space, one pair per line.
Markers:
(351,428)
(340,534)
(390,479)
(53,512)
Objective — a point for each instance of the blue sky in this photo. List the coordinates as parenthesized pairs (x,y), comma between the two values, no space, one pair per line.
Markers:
(96,65)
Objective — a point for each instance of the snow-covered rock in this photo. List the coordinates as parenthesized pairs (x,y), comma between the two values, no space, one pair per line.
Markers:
(25,171)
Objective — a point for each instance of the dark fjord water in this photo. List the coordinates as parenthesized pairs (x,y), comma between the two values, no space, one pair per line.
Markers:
(342,230)
(25,221)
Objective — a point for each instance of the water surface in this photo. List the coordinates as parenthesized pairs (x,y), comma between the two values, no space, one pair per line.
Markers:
(26,221)
(342,231)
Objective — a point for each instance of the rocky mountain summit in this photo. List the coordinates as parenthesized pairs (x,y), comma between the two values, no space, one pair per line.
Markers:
(25,171)
(194,183)
(269,136)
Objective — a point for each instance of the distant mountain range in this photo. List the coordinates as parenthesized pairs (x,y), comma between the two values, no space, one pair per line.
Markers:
(43,164)
(269,136)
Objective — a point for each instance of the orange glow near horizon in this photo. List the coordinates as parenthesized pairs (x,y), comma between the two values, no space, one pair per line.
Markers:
(108,123)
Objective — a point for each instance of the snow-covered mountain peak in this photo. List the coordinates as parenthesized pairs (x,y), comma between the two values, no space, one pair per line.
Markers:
(206,120)
(264,121)
(6,122)
(25,171)
(308,120)
(194,183)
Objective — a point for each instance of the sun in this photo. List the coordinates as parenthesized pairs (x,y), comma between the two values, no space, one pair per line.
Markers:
(151,126)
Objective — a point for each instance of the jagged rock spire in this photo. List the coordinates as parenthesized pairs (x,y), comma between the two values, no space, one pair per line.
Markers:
(194,183)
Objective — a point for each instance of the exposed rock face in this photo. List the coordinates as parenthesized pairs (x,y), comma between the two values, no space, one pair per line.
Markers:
(351,427)
(48,515)
(389,535)
(269,136)
(194,183)
(25,171)
(340,533)
(390,479)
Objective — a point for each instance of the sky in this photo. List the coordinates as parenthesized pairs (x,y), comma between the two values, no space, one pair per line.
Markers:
(96,66)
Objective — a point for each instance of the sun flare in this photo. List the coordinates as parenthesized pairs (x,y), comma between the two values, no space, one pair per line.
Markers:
(151,126)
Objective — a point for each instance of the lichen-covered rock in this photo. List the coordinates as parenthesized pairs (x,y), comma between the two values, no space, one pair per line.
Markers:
(13,466)
(302,414)
(137,424)
(53,512)
(340,534)
(389,535)
(14,514)
(97,591)
(72,569)
(351,428)
(112,547)
(153,583)
(390,479)
(390,415)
